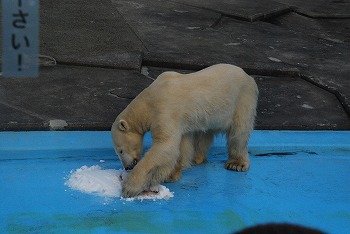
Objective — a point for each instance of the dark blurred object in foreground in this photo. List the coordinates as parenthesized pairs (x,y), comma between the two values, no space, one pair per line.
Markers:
(275,228)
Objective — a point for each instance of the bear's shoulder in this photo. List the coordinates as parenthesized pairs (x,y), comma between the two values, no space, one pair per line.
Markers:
(168,75)
(166,79)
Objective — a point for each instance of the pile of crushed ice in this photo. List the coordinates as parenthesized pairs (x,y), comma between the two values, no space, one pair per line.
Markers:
(108,183)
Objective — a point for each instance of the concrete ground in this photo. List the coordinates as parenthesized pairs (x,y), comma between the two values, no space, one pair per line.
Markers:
(107,51)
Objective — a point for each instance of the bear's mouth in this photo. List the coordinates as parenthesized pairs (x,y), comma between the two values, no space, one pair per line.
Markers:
(130,167)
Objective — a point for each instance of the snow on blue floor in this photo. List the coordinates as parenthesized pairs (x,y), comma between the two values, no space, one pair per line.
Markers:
(295,177)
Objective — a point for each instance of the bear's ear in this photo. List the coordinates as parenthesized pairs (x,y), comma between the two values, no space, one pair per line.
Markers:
(123,125)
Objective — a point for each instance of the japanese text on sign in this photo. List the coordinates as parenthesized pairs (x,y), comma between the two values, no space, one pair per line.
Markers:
(20,45)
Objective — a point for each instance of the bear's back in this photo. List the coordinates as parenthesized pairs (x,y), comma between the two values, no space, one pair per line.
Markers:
(205,98)
(220,78)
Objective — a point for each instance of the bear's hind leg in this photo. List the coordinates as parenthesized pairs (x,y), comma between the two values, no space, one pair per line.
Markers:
(239,132)
(176,173)
(202,142)
(238,159)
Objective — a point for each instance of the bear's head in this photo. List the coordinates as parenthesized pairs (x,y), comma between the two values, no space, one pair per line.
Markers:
(127,143)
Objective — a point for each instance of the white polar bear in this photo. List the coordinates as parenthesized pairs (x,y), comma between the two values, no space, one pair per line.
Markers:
(183,112)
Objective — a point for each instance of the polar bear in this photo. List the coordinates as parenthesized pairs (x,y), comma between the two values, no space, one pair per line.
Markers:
(183,113)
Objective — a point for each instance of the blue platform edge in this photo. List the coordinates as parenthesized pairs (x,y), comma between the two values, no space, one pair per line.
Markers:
(81,140)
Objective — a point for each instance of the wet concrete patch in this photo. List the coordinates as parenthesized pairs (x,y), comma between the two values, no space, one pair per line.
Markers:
(276,154)
(283,154)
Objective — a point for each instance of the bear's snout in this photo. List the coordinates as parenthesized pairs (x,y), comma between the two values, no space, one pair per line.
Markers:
(130,167)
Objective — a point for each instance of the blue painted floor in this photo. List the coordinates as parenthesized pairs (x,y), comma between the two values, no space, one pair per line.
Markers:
(295,177)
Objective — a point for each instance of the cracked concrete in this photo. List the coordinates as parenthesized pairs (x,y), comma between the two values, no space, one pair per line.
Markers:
(241,9)
(96,57)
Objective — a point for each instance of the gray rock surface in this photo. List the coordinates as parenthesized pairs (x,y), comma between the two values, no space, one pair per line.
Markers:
(107,52)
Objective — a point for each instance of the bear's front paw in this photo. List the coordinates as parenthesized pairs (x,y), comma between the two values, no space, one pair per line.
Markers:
(237,164)
(132,186)
(130,191)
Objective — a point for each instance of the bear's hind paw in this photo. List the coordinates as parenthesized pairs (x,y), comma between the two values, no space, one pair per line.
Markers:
(237,165)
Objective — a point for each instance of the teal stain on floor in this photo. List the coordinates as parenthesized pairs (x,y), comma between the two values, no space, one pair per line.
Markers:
(91,223)
(128,222)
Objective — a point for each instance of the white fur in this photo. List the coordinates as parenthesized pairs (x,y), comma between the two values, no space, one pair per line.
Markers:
(183,112)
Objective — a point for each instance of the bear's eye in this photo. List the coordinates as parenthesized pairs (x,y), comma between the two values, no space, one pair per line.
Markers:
(121,151)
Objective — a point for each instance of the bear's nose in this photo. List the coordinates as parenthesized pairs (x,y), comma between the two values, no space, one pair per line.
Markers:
(130,167)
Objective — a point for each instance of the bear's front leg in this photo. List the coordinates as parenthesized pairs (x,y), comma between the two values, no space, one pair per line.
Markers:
(153,169)
(135,183)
